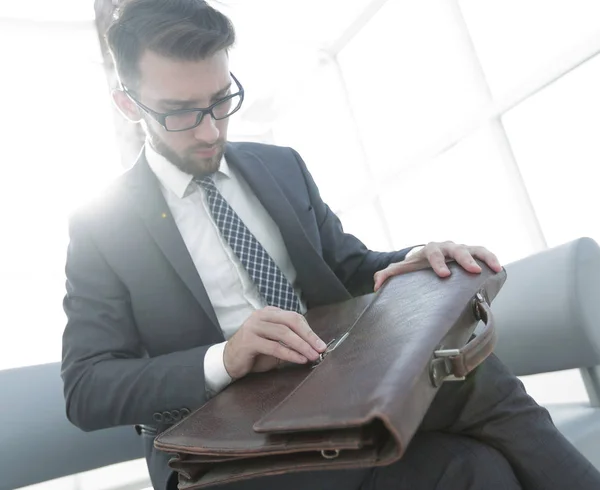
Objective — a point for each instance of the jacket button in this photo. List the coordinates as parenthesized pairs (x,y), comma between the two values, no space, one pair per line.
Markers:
(185,412)
(176,415)
(167,417)
(158,417)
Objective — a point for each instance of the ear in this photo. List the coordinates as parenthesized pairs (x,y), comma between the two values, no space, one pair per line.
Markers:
(126,106)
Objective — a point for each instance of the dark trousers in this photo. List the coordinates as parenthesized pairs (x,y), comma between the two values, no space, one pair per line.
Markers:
(484,433)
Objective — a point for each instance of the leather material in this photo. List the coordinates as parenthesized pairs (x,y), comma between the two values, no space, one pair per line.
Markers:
(477,350)
(358,407)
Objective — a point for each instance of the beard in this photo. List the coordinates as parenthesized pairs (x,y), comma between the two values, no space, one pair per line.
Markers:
(188,162)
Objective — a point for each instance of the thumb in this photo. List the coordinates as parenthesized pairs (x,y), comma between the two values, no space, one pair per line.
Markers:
(383,275)
(379,278)
(393,270)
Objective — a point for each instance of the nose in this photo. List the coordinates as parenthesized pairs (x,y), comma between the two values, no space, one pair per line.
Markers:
(207,130)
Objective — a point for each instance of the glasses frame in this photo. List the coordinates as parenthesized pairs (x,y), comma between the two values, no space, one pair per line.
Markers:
(161,117)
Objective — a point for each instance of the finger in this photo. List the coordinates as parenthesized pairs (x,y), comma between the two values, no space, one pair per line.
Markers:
(396,269)
(463,257)
(391,270)
(263,363)
(272,308)
(437,261)
(304,340)
(290,339)
(275,349)
(298,324)
(379,278)
(488,257)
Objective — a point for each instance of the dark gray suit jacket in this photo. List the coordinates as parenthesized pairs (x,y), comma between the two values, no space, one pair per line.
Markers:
(139,318)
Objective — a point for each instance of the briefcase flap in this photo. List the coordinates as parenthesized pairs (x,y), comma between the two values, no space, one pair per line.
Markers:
(371,373)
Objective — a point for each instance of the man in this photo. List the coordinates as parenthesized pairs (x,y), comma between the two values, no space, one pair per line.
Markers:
(193,270)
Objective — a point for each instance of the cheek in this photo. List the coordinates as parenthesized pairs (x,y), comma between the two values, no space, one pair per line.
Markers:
(175,140)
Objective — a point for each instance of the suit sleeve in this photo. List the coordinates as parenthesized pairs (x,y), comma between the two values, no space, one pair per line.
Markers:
(348,257)
(108,378)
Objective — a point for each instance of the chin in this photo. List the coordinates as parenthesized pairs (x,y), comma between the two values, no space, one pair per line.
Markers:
(204,166)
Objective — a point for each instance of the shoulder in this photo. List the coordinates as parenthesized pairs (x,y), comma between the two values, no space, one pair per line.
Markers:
(281,161)
(264,151)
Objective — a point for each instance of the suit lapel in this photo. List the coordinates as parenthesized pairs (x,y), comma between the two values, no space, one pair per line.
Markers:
(316,279)
(154,211)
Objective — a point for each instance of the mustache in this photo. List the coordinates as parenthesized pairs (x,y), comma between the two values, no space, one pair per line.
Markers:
(218,144)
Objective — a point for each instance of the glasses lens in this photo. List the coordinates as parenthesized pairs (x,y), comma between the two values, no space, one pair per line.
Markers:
(182,121)
(227,107)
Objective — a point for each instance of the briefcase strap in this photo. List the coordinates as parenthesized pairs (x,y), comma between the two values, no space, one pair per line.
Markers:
(460,362)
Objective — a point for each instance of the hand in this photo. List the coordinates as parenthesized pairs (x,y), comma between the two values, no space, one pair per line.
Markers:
(435,255)
(267,338)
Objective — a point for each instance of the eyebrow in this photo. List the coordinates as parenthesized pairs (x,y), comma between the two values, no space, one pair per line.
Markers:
(187,104)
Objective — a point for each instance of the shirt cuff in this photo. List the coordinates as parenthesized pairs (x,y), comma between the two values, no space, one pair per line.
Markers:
(216,377)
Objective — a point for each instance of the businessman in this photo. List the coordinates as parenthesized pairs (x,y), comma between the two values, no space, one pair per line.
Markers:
(193,269)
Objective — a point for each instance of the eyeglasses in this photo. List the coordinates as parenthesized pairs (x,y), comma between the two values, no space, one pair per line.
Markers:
(185,119)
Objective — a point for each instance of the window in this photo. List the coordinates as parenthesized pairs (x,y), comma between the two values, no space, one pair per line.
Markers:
(555,138)
(514,39)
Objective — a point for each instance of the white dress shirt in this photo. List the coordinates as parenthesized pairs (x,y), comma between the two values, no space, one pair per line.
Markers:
(232,292)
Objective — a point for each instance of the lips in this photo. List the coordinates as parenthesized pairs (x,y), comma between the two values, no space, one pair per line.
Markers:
(207,152)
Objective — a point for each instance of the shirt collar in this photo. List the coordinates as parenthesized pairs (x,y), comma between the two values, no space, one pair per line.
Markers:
(174,179)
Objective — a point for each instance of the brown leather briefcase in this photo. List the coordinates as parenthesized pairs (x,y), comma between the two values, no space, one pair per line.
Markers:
(357,406)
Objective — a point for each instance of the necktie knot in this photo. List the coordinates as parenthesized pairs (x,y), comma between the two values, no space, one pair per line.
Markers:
(207,183)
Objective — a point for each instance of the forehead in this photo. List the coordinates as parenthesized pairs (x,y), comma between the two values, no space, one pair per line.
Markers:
(167,78)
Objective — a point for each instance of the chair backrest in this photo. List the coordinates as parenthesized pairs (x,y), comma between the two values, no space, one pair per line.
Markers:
(38,443)
(548,312)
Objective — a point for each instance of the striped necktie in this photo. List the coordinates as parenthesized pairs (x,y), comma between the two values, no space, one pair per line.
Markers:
(270,281)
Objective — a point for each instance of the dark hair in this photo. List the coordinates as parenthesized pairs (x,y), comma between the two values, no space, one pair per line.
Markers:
(180,29)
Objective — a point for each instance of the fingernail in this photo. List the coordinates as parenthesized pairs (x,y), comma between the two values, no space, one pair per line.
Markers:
(321,344)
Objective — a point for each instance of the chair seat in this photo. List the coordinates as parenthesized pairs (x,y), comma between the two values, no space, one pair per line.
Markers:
(580,424)
(37,430)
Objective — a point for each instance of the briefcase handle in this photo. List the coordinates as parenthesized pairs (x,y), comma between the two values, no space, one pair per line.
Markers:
(460,362)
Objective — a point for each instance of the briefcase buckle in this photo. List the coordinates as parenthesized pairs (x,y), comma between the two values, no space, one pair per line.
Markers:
(440,369)
(446,353)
